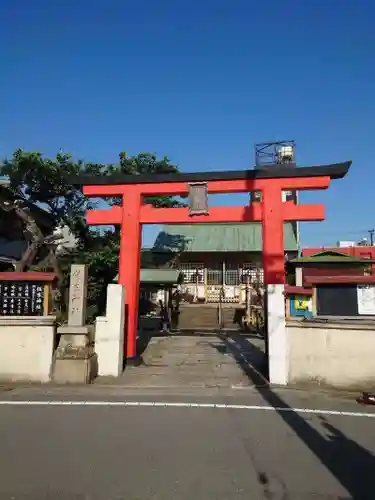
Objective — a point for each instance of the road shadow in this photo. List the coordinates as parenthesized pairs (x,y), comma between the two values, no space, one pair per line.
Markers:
(249,357)
(146,335)
(351,464)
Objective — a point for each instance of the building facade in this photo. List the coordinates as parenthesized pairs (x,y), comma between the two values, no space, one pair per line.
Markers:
(217,262)
(362,253)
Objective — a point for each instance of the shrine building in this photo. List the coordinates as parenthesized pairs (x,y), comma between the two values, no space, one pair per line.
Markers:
(214,259)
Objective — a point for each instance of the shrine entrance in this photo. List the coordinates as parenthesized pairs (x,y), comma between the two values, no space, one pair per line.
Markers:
(269,209)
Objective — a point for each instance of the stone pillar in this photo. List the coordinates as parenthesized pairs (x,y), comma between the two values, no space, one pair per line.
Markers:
(76,333)
(75,359)
(109,333)
(277,335)
(78,295)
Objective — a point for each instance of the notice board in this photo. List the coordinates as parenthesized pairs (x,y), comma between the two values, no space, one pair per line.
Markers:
(337,300)
(21,298)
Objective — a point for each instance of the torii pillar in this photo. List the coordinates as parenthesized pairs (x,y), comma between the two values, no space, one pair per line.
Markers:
(270,211)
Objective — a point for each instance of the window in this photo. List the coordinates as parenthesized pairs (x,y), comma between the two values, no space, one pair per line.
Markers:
(251,273)
(192,272)
(232,277)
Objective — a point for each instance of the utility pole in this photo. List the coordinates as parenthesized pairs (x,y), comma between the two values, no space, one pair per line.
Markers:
(371,233)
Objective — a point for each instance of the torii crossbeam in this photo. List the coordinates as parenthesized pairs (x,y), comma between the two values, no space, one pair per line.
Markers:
(271,211)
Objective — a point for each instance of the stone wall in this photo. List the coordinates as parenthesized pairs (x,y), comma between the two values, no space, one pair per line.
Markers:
(26,348)
(335,353)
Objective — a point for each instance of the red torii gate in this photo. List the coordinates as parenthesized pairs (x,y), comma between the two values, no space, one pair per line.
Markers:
(270,211)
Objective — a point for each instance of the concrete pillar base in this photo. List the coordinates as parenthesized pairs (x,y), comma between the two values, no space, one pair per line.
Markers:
(77,336)
(75,365)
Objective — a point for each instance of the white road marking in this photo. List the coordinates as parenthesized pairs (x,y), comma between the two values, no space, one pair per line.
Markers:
(162,404)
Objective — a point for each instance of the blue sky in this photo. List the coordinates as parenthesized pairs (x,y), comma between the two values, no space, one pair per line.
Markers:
(200,82)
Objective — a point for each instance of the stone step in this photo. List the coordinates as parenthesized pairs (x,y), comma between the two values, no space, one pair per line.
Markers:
(207,317)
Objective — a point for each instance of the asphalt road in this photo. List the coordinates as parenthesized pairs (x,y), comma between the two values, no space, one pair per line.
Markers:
(263,449)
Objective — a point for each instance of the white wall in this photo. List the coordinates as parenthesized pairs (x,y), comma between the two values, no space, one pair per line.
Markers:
(109,333)
(277,335)
(26,348)
(333,354)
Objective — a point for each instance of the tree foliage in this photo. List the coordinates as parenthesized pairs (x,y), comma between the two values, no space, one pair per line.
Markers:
(146,164)
(43,181)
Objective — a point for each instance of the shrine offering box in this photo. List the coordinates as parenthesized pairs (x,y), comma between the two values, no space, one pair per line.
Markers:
(26,293)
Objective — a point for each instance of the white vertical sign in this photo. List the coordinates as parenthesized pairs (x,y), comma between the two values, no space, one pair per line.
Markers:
(366,299)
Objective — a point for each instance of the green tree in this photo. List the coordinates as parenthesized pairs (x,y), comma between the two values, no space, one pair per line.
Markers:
(43,181)
(146,164)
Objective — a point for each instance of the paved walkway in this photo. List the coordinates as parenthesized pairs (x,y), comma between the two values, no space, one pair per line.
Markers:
(200,360)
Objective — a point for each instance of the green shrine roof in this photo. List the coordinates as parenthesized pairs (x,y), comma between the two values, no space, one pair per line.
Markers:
(330,257)
(160,276)
(245,237)
(157,276)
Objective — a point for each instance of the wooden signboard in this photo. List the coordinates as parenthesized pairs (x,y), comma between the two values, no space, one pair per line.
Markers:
(21,298)
(25,294)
